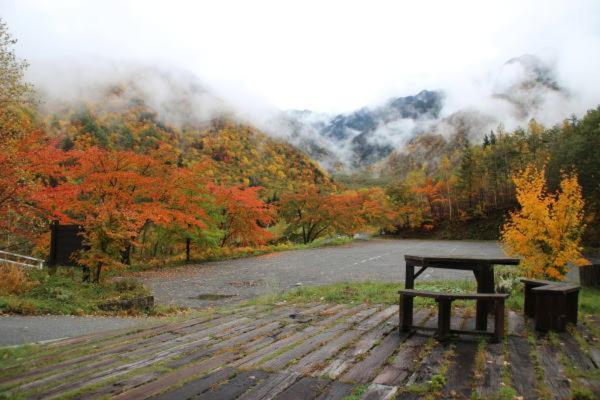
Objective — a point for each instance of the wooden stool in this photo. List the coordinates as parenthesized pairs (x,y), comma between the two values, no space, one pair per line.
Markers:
(555,306)
(530,284)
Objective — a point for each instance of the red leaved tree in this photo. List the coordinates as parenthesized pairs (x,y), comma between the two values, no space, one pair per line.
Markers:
(244,215)
(114,194)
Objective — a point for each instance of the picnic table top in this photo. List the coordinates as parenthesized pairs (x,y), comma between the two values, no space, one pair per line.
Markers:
(461,260)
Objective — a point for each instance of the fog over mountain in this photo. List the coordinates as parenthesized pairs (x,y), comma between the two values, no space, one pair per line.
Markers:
(524,88)
(347,81)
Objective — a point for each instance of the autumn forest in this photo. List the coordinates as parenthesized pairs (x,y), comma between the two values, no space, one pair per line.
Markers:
(145,190)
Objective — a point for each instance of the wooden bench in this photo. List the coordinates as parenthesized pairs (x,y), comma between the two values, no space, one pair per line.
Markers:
(529,302)
(552,304)
(444,301)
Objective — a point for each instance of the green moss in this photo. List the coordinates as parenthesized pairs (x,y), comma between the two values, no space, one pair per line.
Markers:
(582,393)
(357,392)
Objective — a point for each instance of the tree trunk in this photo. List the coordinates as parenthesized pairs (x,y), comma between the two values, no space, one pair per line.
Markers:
(187,249)
(126,255)
(97,275)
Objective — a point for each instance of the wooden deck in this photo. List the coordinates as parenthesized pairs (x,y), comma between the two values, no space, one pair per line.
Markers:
(319,351)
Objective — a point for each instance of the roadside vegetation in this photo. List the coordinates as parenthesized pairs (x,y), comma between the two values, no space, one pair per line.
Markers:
(36,292)
(228,253)
(377,292)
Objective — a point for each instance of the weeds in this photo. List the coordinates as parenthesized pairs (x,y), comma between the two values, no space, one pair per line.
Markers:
(13,280)
(64,293)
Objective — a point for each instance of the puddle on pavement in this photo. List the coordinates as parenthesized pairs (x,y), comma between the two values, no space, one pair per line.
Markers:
(212,296)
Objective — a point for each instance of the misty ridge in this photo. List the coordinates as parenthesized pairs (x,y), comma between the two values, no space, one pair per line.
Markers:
(522,89)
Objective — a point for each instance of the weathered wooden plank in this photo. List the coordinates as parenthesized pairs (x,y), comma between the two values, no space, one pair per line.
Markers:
(234,387)
(491,376)
(516,324)
(378,318)
(554,375)
(254,357)
(156,354)
(344,361)
(197,386)
(102,343)
(580,360)
(521,367)
(264,336)
(429,365)
(459,378)
(352,329)
(269,388)
(336,391)
(396,373)
(79,367)
(572,350)
(111,390)
(169,349)
(304,347)
(365,370)
(306,388)
(157,386)
(312,361)
(379,392)
(300,350)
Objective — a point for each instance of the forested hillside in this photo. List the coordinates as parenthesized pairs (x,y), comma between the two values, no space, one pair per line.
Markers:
(146,185)
(453,182)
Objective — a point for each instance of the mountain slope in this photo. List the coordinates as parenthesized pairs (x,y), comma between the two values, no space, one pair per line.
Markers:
(524,87)
(121,117)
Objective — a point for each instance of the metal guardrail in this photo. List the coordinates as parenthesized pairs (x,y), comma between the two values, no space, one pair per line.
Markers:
(21,260)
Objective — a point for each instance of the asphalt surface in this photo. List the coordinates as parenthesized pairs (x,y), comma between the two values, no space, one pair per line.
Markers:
(377,259)
(18,329)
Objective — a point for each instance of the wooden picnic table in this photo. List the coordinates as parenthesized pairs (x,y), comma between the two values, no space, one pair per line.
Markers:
(482,267)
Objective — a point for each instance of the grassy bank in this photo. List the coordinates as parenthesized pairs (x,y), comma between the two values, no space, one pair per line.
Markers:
(374,292)
(36,292)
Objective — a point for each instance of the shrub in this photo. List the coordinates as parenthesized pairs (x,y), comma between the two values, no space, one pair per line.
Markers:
(507,279)
(546,231)
(13,280)
(127,285)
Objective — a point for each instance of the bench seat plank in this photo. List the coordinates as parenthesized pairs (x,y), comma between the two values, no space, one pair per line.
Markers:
(557,287)
(455,296)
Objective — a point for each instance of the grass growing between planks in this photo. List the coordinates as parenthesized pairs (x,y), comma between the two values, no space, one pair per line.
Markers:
(64,293)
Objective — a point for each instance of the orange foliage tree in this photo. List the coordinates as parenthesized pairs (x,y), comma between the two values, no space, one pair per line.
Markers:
(312,212)
(28,163)
(376,209)
(244,215)
(546,231)
(114,194)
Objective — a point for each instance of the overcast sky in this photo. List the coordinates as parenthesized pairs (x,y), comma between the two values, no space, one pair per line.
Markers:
(321,55)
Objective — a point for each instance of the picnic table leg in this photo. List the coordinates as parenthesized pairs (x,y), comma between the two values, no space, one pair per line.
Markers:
(407,301)
(499,322)
(443,328)
(485,284)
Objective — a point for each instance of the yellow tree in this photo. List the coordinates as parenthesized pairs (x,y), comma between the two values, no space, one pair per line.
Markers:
(546,231)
